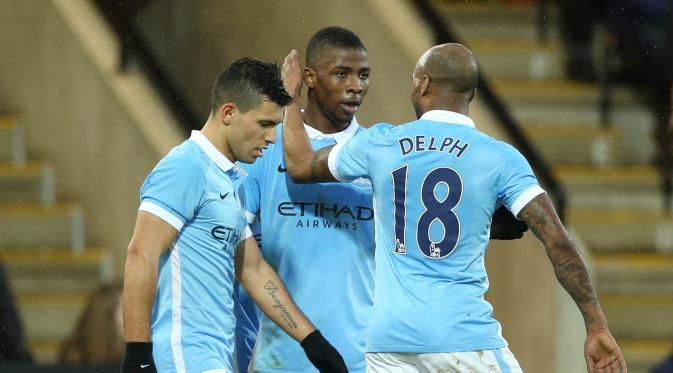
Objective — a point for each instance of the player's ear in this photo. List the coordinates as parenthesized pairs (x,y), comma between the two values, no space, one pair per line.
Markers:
(309,77)
(425,85)
(474,93)
(227,112)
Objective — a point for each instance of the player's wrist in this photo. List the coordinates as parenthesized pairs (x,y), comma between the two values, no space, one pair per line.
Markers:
(138,358)
(138,350)
(295,98)
(312,338)
(596,322)
(322,354)
(596,328)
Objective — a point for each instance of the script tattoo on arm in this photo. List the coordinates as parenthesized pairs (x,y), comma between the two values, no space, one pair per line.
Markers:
(272,290)
(569,266)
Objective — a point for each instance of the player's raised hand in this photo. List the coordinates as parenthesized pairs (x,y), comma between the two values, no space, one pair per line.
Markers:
(602,353)
(292,74)
(322,354)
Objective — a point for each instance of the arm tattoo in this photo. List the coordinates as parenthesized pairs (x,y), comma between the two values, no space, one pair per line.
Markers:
(569,267)
(272,289)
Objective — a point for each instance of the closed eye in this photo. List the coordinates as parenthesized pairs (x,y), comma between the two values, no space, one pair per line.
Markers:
(267,123)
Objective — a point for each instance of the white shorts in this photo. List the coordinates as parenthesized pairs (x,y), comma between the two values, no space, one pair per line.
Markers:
(487,361)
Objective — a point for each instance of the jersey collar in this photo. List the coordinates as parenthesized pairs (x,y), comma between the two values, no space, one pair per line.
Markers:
(446,116)
(339,137)
(211,151)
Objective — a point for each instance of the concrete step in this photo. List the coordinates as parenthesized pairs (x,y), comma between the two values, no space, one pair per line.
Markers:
(639,316)
(494,21)
(562,112)
(631,119)
(37,226)
(617,177)
(612,187)
(634,272)
(50,315)
(31,182)
(623,229)
(540,92)
(642,354)
(45,350)
(12,140)
(56,270)
(561,101)
(518,59)
(576,143)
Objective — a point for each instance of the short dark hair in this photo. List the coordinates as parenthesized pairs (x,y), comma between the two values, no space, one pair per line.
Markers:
(331,37)
(247,82)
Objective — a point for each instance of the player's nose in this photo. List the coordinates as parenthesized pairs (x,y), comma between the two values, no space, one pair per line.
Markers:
(355,85)
(270,136)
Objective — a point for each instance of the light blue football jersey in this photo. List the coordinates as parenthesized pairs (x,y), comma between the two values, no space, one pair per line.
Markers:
(198,191)
(437,182)
(320,240)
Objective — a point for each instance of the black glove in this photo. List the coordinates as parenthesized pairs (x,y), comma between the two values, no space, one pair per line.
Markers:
(322,354)
(138,358)
(505,226)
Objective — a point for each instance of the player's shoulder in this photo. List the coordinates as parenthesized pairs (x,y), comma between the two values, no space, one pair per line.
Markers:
(496,146)
(506,149)
(185,159)
(379,130)
(381,127)
(506,156)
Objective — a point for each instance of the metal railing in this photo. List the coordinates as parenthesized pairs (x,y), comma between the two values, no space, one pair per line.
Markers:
(134,46)
(610,66)
(444,34)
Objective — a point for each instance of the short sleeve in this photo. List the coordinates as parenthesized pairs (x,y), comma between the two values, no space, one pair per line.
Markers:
(247,233)
(348,161)
(517,184)
(173,190)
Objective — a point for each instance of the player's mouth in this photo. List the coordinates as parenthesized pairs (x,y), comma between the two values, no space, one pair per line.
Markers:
(350,106)
(259,151)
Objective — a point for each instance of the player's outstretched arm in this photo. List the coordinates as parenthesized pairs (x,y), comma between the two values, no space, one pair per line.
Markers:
(268,291)
(303,164)
(600,349)
(150,238)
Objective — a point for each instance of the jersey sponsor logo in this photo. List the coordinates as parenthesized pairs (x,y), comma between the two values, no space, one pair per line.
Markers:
(325,215)
(228,235)
(281,169)
(321,209)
